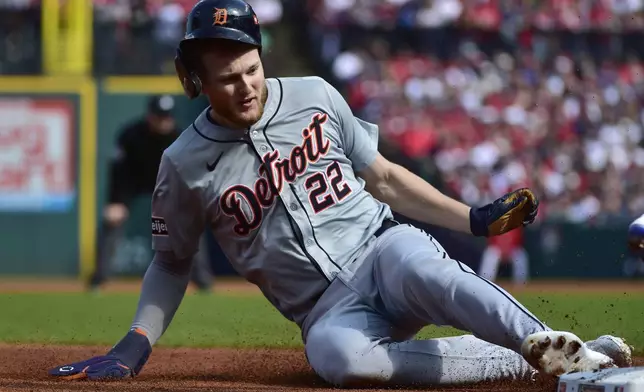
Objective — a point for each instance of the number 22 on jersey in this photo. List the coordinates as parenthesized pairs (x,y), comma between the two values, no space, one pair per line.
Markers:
(318,184)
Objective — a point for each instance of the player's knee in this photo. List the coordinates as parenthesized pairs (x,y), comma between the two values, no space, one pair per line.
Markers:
(345,357)
(356,374)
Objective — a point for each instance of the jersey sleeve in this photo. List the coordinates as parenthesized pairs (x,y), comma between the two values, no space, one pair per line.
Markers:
(359,138)
(177,215)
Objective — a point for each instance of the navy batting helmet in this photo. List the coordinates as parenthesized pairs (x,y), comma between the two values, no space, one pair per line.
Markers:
(232,20)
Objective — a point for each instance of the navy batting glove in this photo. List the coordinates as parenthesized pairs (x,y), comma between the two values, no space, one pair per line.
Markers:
(514,209)
(125,359)
(98,368)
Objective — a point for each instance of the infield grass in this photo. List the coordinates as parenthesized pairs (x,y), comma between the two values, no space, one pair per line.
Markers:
(250,321)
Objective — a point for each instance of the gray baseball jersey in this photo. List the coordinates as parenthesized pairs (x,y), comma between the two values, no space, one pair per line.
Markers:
(282,199)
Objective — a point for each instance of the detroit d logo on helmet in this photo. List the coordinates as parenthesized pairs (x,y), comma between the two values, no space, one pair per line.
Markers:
(220,16)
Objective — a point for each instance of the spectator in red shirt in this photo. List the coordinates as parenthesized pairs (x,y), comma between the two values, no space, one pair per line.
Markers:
(506,248)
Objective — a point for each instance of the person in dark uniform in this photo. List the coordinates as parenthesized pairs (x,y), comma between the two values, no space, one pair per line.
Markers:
(132,173)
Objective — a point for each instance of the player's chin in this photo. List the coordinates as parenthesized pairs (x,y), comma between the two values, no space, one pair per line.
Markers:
(248,117)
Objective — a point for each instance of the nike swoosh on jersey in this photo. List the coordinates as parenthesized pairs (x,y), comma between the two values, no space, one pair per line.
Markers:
(211,166)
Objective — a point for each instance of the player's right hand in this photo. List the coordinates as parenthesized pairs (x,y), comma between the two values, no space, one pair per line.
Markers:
(125,359)
(515,209)
(103,367)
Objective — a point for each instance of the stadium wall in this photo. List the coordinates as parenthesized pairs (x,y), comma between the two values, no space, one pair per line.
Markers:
(55,137)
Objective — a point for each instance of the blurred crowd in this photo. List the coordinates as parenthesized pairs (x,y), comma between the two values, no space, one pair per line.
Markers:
(570,129)
(496,95)
(574,15)
(152,29)
(123,29)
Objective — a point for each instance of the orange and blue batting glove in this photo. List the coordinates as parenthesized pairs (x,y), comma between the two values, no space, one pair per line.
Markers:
(124,360)
(513,210)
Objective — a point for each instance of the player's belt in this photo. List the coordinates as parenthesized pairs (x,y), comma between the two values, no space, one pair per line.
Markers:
(386,225)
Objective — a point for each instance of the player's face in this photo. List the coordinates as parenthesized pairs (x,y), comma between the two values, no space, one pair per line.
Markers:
(235,85)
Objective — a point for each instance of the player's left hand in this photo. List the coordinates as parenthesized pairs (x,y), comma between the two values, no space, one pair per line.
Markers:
(103,367)
(124,360)
(514,209)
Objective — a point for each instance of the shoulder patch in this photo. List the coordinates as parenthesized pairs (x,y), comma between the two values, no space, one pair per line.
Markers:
(159,228)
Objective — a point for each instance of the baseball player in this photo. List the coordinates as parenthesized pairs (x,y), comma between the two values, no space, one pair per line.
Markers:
(295,192)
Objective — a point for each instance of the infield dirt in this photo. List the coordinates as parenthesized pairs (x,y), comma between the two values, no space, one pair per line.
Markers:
(24,367)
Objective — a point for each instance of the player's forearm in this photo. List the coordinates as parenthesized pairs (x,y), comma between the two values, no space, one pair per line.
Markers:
(164,286)
(410,195)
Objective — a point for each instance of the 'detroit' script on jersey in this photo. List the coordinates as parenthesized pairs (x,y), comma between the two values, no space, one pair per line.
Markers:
(283,199)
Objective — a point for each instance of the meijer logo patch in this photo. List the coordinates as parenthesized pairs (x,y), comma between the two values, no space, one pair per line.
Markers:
(158,226)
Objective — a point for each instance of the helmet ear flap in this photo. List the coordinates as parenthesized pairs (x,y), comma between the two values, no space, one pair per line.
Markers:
(189,80)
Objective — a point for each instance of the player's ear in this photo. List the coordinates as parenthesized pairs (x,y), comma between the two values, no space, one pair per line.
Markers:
(183,75)
(189,81)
